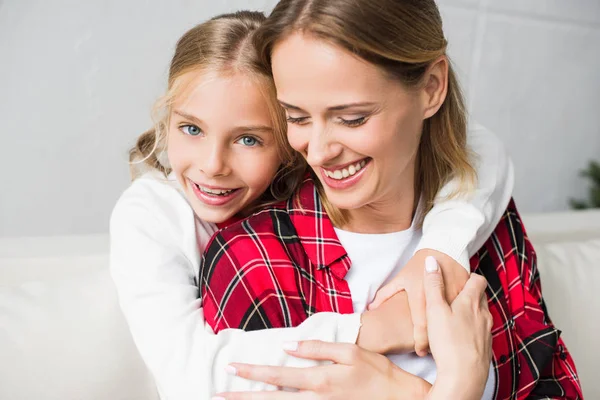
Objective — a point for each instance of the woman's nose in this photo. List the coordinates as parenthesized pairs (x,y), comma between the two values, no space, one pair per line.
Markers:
(322,146)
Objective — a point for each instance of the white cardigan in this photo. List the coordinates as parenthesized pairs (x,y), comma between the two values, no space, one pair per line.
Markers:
(156,244)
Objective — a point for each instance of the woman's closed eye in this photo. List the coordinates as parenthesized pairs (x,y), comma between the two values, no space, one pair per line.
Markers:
(191,130)
(353,122)
(249,141)
(297,120)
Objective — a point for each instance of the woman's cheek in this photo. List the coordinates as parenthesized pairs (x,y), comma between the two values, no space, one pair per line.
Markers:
(296,139)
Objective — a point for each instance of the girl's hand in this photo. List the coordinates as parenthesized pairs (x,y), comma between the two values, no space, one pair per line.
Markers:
(459,336)
(410,279)
(356,374)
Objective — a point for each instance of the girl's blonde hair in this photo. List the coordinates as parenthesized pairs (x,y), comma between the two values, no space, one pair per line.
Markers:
(223,44)
(403,38)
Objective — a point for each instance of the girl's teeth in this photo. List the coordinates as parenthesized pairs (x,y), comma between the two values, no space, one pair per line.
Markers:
(215,191)
(346,172)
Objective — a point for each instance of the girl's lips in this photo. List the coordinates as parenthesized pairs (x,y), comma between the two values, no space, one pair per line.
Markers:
(214,199)
(345,183)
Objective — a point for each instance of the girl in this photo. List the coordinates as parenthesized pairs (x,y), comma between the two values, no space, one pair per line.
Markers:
(374,108)
(217,153)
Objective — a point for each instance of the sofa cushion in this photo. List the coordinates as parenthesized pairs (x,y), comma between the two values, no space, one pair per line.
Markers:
(63,337)
(570,274)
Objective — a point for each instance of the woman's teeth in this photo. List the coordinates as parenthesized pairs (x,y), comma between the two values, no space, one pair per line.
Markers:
(346,172)
(216,192)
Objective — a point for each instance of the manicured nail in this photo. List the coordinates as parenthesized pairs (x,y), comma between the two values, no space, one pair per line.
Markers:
(431,264)
(230,369)
(290,346)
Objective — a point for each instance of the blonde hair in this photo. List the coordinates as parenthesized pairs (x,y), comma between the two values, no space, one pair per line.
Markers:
(223,44)
(403,38)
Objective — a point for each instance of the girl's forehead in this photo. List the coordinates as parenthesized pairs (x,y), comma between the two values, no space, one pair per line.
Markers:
(212,84)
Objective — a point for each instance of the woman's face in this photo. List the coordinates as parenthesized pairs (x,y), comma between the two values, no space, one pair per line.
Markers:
(221,145)
(357,128)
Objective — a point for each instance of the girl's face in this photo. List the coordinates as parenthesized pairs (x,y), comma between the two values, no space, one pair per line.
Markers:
(221,144)
(358,129)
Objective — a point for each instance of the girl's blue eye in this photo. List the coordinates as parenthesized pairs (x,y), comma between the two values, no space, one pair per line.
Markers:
(248,141)
(191,130)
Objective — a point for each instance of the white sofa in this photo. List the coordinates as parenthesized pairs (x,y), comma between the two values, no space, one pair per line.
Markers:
(62,336)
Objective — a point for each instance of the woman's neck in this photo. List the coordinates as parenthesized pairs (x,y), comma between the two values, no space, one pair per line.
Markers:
(393,214)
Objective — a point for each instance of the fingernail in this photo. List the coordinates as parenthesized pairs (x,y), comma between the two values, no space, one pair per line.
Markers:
(431,264)
(230,369)
(290,346)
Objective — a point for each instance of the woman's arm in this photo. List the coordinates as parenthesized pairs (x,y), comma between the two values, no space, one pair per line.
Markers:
(155,282)
(455,228)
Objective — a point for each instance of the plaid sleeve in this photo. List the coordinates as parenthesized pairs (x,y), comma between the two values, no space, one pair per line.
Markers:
(559,379)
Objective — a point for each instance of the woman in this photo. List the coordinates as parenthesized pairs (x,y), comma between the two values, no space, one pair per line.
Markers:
(374,107)
(217,152)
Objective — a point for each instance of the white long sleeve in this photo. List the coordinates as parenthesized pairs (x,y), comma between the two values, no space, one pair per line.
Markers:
(459,226)
(154,264)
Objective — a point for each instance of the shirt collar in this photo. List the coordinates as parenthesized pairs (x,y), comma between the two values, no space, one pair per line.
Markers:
(315,230)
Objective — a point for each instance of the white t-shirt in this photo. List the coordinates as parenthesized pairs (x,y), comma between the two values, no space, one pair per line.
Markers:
(377,258)
(156,242)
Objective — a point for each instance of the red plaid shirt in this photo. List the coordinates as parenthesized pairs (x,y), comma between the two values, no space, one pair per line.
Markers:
(285,263)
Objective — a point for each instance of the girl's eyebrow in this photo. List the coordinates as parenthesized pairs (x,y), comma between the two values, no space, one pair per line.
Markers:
(188,116)
(254,128)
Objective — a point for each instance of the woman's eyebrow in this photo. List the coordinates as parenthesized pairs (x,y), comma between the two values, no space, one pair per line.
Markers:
(289,106)
(340,107)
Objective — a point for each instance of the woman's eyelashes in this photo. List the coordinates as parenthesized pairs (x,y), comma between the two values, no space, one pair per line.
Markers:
(191,130)
(355,122)
(298,121)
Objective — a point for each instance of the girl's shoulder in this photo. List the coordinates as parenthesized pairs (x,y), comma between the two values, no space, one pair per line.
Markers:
(154,205)
(154,194)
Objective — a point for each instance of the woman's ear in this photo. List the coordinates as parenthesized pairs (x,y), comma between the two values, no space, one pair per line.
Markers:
(435,86)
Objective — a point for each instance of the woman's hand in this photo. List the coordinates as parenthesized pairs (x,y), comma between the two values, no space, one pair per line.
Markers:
(459,336)
(410,279)
(356,374)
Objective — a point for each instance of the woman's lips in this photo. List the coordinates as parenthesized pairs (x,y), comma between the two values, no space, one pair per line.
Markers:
(343,178)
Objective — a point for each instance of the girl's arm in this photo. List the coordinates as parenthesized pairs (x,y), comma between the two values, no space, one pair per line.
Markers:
(455,228)
(459,227)
(155,281)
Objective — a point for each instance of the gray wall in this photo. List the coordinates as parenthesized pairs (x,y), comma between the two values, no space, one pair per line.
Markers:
(77,80)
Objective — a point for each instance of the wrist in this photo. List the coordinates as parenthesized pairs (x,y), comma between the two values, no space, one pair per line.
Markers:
(407,386)
(455,389)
